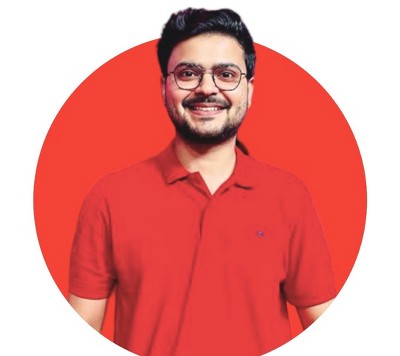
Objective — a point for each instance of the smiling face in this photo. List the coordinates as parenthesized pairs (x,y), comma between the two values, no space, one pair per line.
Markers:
(207,114)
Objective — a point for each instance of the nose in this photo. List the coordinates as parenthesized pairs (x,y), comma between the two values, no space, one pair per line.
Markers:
(207,85)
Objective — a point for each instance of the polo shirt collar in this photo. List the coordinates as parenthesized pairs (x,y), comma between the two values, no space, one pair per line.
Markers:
(173,170)
(244,174)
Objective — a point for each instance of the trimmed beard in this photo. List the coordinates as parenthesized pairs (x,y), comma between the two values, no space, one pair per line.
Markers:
(191,134)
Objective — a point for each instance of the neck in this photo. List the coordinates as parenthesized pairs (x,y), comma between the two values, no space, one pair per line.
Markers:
(215,163)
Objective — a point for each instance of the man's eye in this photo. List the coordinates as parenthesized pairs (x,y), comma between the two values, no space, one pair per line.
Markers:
(226,75)
(187,74)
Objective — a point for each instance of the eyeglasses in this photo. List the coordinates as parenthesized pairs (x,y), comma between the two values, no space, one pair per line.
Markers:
(226,77)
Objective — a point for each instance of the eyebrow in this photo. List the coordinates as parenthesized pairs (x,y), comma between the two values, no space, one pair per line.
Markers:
(192,64)
(189,64)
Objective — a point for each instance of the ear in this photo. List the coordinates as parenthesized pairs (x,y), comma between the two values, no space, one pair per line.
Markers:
(250,89)
(162,84)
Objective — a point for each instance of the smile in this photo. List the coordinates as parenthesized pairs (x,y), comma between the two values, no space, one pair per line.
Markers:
(206,108)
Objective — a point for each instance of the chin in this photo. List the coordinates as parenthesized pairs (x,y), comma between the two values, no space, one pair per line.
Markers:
(207,137)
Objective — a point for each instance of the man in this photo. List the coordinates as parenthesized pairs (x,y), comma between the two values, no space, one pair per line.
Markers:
(203,244)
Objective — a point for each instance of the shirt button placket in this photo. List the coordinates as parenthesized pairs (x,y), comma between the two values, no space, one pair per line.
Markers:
(204,219)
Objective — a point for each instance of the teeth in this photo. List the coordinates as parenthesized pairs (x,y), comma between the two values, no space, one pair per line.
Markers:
(206,108)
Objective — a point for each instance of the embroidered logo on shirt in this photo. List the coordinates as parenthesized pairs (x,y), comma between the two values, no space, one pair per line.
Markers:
(260,233)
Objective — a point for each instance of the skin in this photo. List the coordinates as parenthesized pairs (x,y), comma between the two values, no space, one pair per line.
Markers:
(91,310)
(310,314)
(232,105)
(214,161)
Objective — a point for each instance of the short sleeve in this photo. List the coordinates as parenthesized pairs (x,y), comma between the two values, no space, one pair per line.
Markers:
(310,277)
(91,264)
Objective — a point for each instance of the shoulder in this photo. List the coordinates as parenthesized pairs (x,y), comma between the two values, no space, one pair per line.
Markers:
(133,177)
(285,191)
(271,177)
(278,187)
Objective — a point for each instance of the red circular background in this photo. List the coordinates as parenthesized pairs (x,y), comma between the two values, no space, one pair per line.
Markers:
(116,117)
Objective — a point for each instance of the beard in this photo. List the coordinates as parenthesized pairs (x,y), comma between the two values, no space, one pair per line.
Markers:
(192,134)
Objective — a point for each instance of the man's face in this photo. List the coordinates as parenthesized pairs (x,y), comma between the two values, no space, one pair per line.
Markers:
(207,114)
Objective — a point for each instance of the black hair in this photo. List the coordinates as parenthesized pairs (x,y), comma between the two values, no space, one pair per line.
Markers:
(192,22)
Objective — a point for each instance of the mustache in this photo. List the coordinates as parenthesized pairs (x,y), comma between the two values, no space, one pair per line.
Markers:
(205,99)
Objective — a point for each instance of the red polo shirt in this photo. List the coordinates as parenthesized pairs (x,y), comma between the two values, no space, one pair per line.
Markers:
(195,273)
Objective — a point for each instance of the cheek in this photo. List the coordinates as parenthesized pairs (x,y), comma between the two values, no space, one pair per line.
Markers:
(239,106)
(173,104)
(239,101)
(173,97)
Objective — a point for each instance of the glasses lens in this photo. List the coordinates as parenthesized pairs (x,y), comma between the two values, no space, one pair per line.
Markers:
(227,77)
(187,77)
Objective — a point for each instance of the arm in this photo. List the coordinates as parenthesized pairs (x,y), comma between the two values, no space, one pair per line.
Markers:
(91,310)
(308,315)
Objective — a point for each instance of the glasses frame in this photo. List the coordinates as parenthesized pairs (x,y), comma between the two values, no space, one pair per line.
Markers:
(205,71)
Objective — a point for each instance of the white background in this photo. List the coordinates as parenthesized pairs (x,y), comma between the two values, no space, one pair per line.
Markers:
(49,47)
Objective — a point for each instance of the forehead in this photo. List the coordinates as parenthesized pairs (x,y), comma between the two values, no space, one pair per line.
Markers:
(208,50)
